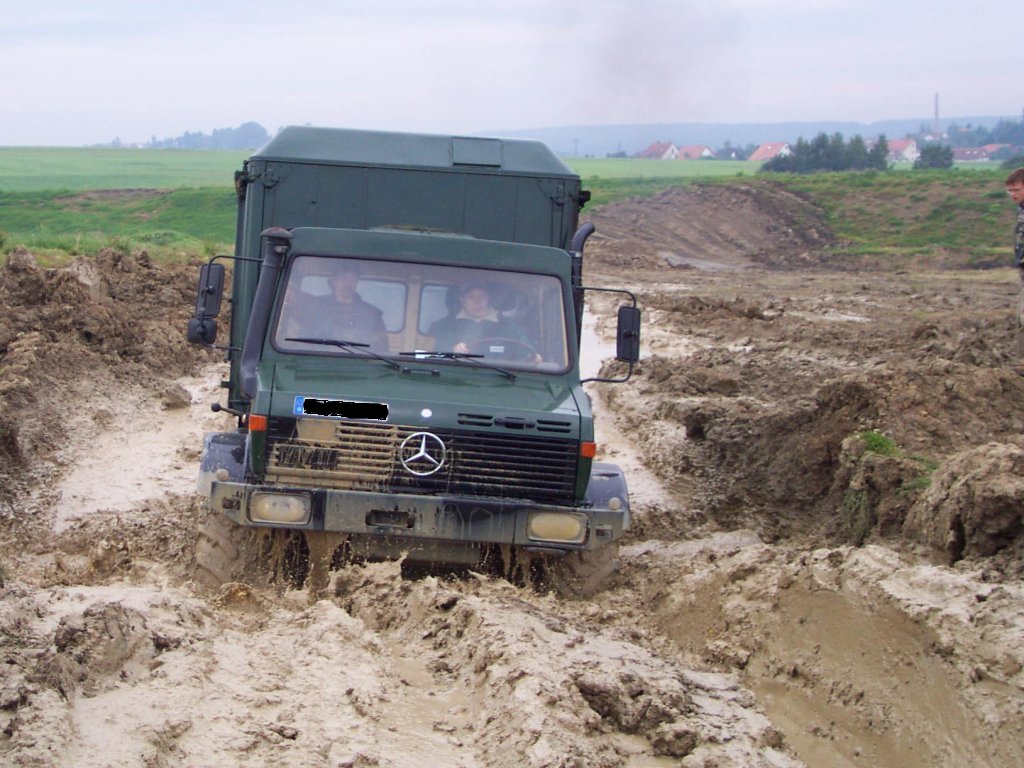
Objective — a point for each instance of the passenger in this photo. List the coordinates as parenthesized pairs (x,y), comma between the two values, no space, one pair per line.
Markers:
(478,323)
(343,315)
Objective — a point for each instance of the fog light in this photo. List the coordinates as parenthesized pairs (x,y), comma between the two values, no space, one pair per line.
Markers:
(557,526)
(279,508)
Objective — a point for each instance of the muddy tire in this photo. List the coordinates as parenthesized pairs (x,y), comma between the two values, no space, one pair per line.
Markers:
(579,575)
(224,550)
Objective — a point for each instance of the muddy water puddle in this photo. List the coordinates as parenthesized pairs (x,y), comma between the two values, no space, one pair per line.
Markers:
(853,686)
(431,721)
(137,449)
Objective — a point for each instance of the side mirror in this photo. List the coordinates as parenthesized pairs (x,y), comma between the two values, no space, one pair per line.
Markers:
(627,335)
(211,290)
(202,328)
(202,331)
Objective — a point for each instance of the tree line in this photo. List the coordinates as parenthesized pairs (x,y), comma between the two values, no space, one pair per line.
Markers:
(1004,132)
(832,153)
(246,136)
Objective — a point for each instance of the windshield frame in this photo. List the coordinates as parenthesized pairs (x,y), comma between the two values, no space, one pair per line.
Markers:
(547,290)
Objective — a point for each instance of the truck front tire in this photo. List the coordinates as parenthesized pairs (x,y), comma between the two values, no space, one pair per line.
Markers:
(224,550)
(581,575)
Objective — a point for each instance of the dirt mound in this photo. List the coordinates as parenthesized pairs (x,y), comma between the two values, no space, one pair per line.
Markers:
(975,504)
(708,227)
(763,413)
(69,334)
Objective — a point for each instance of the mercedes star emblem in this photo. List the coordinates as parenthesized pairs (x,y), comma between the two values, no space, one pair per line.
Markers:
(422,453)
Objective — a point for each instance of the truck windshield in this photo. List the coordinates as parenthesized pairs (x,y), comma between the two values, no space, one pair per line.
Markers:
(449,315)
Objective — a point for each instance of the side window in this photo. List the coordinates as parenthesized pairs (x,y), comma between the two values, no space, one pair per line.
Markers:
(435,304)
(315,285)
(389,297)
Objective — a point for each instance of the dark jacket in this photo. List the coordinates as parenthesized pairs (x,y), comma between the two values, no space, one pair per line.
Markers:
(449,331)
(1018,239)
(357,321)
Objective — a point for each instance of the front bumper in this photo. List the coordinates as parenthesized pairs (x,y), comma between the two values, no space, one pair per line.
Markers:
(405,520)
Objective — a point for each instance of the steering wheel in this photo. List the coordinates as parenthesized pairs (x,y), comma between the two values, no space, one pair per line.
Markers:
(521,350)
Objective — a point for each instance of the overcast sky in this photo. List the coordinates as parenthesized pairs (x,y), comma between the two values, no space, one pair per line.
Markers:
(76,72)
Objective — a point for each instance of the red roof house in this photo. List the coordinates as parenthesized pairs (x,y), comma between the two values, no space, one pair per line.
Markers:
(903,150)
(770,150)
(969,154)
(696,152)
(659,150)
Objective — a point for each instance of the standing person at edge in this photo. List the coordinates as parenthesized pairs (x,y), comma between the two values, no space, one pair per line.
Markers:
(1015,189)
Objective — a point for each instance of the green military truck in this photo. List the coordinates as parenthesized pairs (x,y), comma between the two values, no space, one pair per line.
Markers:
(404,348)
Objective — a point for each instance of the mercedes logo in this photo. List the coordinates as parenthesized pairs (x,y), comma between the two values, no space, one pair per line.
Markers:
(422,453)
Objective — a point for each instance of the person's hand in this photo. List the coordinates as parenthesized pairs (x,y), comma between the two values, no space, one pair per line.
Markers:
(462,348)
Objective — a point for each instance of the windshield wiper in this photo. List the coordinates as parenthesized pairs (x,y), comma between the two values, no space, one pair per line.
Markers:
(348,346)
(469,358)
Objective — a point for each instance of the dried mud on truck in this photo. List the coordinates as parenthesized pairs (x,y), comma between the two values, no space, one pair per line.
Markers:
(404,354)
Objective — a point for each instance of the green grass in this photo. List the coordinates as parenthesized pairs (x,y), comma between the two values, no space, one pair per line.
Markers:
(27,169)
(614,179)
(163,222)
(168,201)
(182,201)
(876,442)
(909,213)
(625,168)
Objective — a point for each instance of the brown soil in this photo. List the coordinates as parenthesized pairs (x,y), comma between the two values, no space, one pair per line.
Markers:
(825,566)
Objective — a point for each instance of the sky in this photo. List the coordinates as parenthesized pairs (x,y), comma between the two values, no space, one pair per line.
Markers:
(78,73)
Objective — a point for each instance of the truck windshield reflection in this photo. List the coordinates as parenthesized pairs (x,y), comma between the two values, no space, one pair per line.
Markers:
(448,314)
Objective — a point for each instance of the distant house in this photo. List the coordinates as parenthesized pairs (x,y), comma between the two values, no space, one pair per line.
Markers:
(770,150)
(969,154)
(697,152)
(659,150)
(903,150)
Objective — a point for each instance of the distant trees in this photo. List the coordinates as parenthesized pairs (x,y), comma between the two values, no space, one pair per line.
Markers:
(935,156)
(831,153)
(246,136)
(1004,132)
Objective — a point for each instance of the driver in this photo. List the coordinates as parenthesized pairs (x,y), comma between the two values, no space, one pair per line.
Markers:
(478,328)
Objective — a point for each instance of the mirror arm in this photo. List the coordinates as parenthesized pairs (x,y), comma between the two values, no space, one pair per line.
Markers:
(629,371)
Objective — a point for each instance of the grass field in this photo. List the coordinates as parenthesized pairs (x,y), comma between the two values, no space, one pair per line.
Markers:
(961,210)
(30,169)
(59,201)
(616,178)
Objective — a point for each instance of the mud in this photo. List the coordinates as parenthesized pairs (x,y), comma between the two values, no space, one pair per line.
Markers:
(824,567)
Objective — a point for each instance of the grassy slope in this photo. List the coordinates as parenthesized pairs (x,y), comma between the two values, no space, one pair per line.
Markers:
(53,199)
(961,210)
(183,202)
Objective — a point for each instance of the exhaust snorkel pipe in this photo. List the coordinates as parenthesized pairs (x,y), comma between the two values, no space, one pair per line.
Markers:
(576,254)
(275,245)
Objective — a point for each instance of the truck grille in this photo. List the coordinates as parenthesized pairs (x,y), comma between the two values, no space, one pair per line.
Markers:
(362,456)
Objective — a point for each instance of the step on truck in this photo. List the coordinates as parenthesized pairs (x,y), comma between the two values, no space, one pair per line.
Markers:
(406,315)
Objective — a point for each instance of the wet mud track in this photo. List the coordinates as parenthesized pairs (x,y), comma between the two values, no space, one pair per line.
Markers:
(789,593)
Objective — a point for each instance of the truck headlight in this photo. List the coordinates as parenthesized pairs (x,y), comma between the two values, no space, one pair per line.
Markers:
(563,527)
(291,508)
